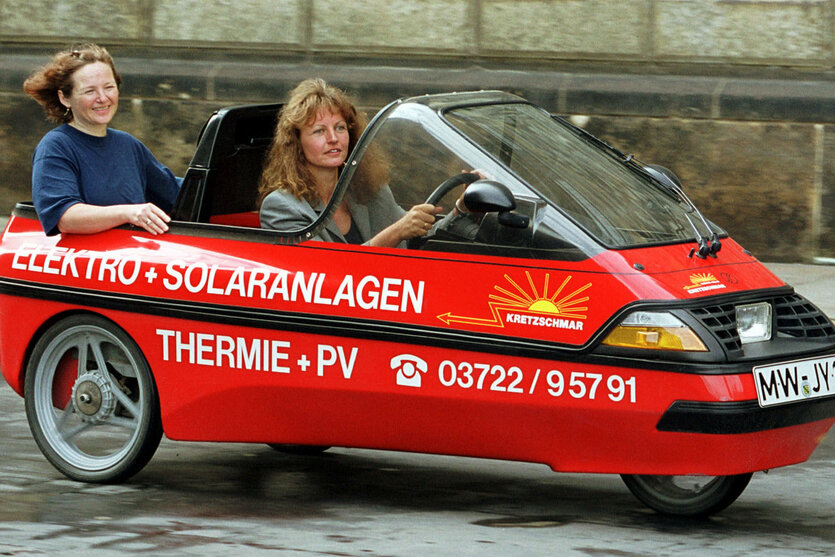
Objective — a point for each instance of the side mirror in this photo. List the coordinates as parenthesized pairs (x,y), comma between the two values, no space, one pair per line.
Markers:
(488,196)
(664,175)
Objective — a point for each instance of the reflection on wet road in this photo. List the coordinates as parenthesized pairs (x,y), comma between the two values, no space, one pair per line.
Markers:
(220,499)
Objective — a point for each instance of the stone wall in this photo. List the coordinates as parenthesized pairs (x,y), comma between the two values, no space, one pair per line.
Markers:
(793,32)
(737,96)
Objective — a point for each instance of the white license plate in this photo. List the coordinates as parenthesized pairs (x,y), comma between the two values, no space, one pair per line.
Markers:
(797,380)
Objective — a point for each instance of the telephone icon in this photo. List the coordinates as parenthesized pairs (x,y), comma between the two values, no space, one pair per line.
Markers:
(408,368)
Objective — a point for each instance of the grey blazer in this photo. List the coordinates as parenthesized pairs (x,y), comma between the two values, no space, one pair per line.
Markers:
(283,211)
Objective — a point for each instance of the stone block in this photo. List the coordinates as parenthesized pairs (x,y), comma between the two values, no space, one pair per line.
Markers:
(256,83)
(73,20)
(826,239)
(15,70)
(786,100)
(394,24)
(228,21)
(22,124)
(756,180)
(639,95)
(166,78)
(564,27)
(742,30)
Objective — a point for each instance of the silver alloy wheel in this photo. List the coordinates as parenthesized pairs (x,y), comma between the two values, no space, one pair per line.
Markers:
(91,401)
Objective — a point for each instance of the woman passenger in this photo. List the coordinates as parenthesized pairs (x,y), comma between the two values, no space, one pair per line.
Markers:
(86,177)
(317,129)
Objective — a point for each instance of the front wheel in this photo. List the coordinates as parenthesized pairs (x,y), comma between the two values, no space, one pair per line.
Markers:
(693,496)
(91,401)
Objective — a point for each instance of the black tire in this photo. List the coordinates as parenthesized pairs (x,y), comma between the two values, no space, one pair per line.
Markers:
(690,496)
(309,450)
(91,401)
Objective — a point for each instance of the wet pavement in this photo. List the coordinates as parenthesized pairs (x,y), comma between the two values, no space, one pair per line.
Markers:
(219,499)
(235,499)
(222,499)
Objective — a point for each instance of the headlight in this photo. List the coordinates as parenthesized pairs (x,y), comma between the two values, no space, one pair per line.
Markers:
(753,322)
(655,331)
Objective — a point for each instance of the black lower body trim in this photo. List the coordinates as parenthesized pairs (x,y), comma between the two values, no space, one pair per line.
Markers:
(687,416)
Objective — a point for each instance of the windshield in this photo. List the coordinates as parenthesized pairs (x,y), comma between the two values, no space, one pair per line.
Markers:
(421,152)
(613,202)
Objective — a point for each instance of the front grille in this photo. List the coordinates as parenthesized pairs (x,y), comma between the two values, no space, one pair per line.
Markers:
(795,316)
(720,319)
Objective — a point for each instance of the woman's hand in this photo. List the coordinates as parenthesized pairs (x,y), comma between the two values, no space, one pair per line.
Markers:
(150,217)
(82,218)
(416,222)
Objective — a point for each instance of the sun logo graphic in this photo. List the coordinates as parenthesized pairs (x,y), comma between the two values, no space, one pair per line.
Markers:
(701,282)
(561,307)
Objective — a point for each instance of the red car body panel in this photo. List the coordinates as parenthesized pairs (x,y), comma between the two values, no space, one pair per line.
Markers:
(257,383)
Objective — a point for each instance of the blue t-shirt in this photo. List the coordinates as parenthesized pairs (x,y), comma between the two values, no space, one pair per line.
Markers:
(70,166)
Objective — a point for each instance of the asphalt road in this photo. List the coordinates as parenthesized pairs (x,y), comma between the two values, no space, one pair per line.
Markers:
(233,499)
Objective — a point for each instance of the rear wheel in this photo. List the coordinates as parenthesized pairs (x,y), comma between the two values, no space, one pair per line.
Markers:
(694,496)
(91,401)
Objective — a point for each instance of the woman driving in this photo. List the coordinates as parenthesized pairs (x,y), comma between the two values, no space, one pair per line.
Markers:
(317,129)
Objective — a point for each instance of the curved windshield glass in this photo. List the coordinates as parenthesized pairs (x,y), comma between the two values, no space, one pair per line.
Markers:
(421,151)
(615,203)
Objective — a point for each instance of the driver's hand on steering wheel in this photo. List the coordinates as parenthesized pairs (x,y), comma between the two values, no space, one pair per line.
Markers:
(459,208)
(418,221)
(482,174)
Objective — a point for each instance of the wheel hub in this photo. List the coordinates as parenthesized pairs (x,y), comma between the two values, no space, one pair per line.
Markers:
(93,399)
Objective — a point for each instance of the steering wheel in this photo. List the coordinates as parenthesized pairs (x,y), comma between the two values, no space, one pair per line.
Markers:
(437,194)
(450,184)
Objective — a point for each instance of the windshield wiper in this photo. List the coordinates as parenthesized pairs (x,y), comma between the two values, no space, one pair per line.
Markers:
(708,244)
